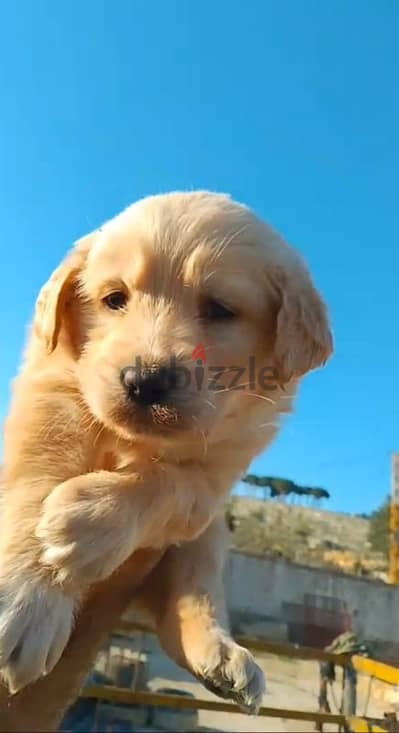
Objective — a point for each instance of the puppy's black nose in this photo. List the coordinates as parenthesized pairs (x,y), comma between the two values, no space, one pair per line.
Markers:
(148,386)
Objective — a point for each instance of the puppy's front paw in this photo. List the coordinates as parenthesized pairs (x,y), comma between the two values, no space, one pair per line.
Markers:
(35,624)
(84,534)
(229,671)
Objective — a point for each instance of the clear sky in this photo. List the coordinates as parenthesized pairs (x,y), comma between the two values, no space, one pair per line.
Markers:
(291,107)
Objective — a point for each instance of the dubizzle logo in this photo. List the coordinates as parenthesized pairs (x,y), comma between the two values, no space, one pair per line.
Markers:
(218,378)
(199,353)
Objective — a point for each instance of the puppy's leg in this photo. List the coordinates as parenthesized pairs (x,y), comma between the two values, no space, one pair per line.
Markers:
(186,598)
(46,440)
(41,705)
(36,616)
(37,604)
(90,525)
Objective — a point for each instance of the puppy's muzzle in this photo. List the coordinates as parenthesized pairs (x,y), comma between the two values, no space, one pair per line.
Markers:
(150,385)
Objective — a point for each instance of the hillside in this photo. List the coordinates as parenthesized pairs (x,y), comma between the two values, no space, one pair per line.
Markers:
(305,535)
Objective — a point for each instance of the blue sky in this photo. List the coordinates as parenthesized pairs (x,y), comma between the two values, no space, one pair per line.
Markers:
(291,107)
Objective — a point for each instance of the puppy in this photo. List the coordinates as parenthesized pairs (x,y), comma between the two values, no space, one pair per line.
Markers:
(163,351)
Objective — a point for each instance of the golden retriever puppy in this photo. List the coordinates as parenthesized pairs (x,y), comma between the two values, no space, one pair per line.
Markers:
(163,350)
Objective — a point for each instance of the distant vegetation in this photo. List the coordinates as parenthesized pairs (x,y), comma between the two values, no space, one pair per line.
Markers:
(253,534)
(272,487)
(263,522)
(379,528)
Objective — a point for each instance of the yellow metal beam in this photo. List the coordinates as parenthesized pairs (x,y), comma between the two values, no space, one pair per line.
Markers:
(294,652)
(379,670)
(128,697)
(360,725)
(394,523)
(154,699)
(261,646)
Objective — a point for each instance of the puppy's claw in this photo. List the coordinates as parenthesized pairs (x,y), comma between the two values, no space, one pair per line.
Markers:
(230,672)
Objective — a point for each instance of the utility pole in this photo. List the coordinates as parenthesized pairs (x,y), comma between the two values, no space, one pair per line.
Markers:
(394,523)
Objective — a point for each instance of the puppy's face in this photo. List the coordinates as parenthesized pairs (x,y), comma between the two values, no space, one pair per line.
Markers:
(177,307)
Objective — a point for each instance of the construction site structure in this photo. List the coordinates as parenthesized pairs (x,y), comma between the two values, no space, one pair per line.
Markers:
(394,523)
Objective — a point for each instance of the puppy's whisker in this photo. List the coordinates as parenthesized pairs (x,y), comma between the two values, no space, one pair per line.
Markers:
(261,397)
(202,434)
(236,388)
(100,432)
(205,442)
(209,275)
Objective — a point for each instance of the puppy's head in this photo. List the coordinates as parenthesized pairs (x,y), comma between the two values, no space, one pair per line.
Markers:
(176,307)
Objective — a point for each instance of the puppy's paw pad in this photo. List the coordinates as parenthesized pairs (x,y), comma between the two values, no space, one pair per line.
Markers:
(35,624)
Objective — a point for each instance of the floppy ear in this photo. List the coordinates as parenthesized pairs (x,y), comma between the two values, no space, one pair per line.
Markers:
(303,337)
(56,296)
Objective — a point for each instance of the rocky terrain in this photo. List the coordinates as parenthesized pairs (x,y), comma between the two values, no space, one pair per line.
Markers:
(305,535)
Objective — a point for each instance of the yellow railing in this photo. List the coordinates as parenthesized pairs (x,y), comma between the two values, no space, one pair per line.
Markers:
(374,669)
(362,725)
(153,699)
(262,646)
(379,670)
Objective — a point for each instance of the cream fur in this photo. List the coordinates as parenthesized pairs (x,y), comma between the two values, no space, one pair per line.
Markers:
(89,481)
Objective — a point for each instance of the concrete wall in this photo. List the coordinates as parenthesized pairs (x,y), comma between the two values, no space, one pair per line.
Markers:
(261,588)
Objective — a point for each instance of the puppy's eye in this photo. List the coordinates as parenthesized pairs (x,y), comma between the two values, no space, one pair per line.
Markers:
(115,301)
(213,310)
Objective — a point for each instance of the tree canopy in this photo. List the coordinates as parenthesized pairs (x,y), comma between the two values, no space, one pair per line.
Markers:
(281,487)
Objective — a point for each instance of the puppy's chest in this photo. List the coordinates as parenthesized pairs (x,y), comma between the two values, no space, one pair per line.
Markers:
(106,460)
(109,455)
